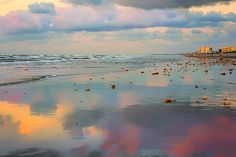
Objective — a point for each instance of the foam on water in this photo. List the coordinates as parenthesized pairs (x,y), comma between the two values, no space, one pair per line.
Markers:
(18,69)
(52,59)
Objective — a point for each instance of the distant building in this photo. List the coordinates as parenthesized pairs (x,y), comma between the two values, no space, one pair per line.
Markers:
(205,49)
(228,49)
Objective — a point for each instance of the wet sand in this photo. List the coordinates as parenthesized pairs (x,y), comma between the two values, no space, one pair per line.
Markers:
(179,108)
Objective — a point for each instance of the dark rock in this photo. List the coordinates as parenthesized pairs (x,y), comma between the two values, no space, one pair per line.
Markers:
(168,101)
(156,73)
(113,86)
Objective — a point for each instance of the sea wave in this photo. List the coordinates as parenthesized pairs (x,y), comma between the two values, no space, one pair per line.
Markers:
(57,59)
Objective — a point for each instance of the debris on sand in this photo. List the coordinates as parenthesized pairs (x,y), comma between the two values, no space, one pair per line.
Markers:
(205,98)
(226,103)
(156,73)
(168,101)
(233,83)
(222,73)
(113,86)
(142,72)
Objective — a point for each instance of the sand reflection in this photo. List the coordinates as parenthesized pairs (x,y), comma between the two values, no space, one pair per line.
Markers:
(217,138)
(122,141)
(32,124)
(158,82)
(128,98)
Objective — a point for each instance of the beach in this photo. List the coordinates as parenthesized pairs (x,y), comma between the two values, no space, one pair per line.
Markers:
(117,105)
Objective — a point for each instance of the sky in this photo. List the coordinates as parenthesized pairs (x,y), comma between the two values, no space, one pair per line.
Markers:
(115,26)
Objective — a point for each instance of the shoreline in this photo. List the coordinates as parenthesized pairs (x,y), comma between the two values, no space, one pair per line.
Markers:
(210,55)
(24,81)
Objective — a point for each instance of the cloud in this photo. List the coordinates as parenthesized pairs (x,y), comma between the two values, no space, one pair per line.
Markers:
(196,31)
(84,2)
(107,19)
(4,1)
(160,4)
(172,34)
(124,18)
(22,22)
(42,8)
(150,4)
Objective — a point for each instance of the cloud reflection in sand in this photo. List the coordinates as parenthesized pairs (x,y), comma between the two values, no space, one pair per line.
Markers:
(138,128)
(158,82)
(29,123)
(217,138)
(130,120)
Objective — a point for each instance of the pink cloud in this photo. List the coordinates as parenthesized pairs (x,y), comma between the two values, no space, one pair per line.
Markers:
(124,141)
(106,18)
(218,137)
(17,21)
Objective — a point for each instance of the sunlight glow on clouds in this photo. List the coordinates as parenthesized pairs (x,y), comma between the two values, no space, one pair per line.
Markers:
(223,8)
(107,23)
